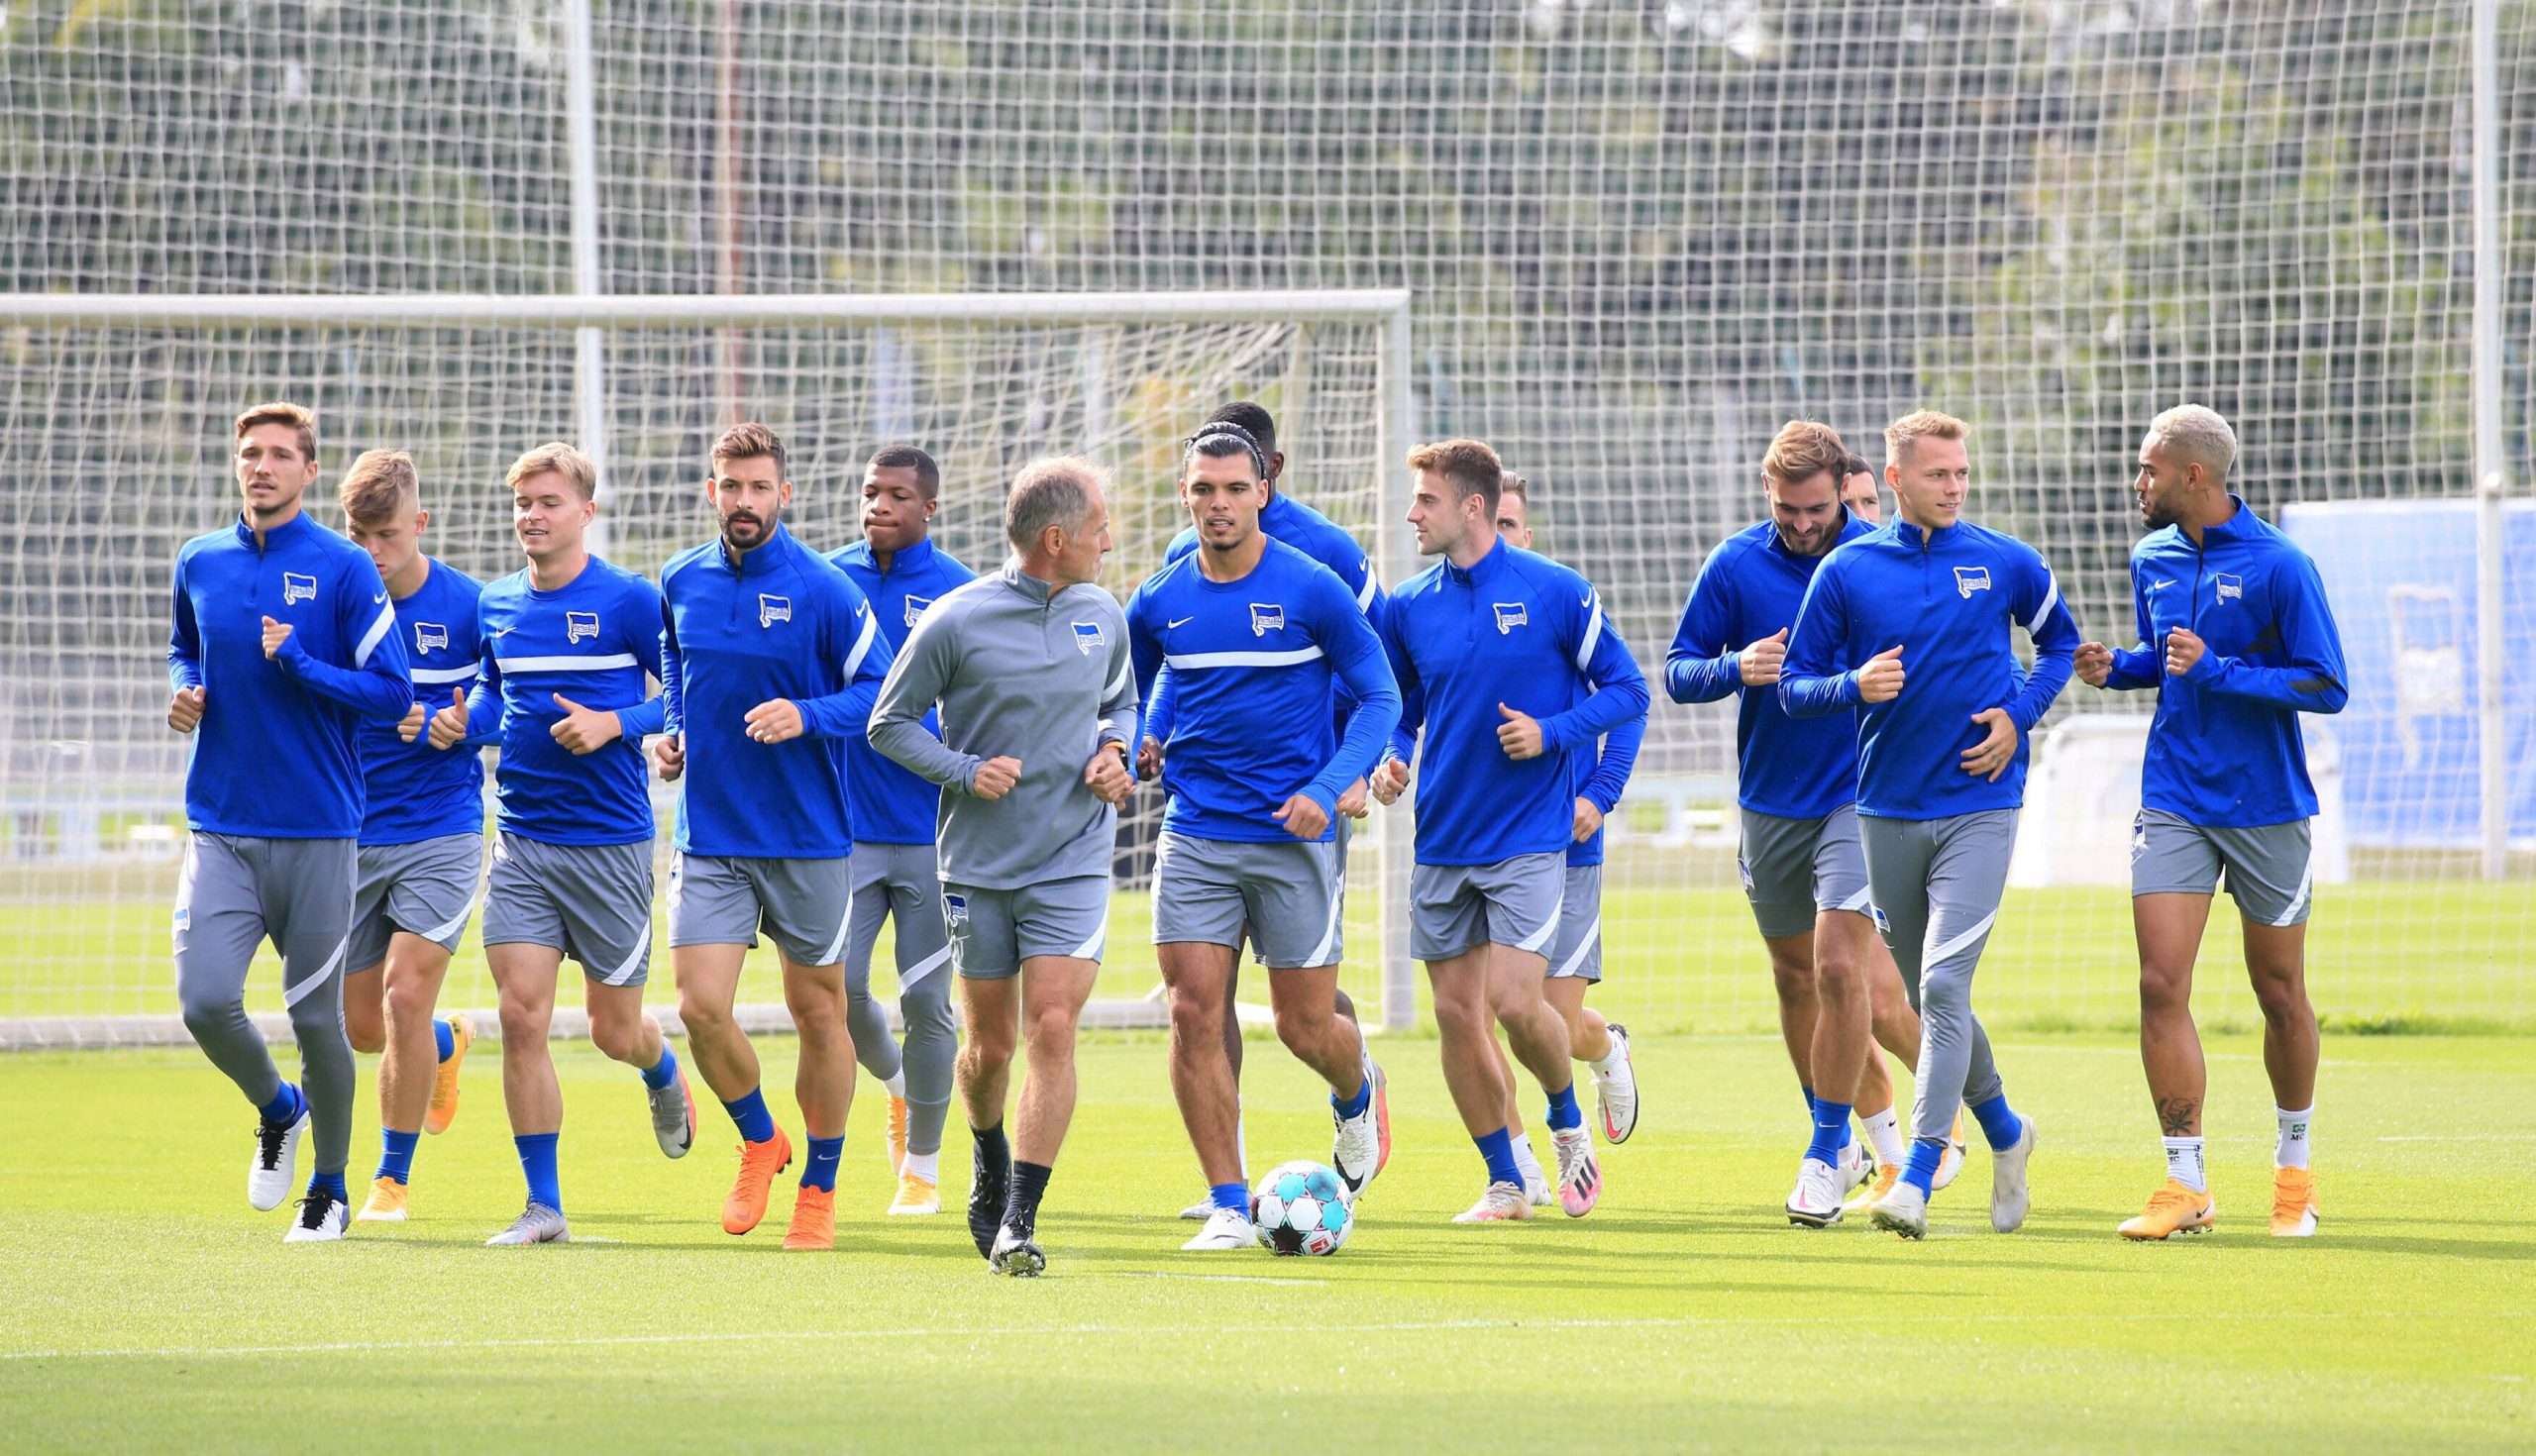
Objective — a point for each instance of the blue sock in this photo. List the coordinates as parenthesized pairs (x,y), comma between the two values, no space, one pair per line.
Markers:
(1831,1122)
(329,1183)
(1999,1122)
(826,1154)
(537,1164)
(1499,1149)
(286,1108)
(1563,1113)
(1353,1107)
(1232,1196)
(446,1038)
(397,1154)
(1809,1102)
(664,1071)
(756,1123)
(1921,1170)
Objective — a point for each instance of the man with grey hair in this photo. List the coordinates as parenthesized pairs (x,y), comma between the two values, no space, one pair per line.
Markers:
(2235,638)
(1030,669)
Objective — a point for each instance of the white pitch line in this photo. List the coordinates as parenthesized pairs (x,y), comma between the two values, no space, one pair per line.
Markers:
(1159,1331)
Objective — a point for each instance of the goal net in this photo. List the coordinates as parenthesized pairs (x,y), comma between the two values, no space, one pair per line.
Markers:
(127,420)
(1638,236)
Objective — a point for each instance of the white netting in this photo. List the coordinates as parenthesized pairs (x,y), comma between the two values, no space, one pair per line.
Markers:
(88,768)
(1639,236)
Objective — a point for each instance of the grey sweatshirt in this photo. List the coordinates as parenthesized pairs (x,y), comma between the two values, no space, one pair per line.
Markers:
(1021,672)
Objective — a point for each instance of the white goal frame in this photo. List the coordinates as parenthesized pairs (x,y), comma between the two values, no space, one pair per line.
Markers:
(592,316)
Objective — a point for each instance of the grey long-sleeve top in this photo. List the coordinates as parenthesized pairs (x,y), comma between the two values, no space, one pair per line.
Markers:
(1018,671)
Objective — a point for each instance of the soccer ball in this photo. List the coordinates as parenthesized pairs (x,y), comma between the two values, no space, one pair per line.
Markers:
(1301,1208)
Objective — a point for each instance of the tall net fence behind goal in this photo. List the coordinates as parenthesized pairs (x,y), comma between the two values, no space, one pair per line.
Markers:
(1638,237)
(90,767)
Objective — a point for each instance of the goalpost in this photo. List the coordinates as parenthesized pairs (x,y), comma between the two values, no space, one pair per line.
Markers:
(131,396)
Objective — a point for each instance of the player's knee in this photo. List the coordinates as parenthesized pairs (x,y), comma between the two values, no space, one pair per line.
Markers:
(1303,1027)
(404,1004)
(2281,995)
(1462,1015)
(368,1037)
(2164,987)
(814,1006)
(1839,974)
(703,1015)
(1051,1032)
(1515,1001)
(204,1013)
(925,1013)
(1946,995)
(1793,977)
(618,1037)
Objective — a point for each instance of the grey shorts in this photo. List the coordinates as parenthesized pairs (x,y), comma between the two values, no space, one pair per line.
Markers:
(1286,896)
(1797,868)
(992,931)
(899,883)
(2269,867)
(1577,950)
(426,889)
(591,901)
(237,892)
(1514,903)
(724,899)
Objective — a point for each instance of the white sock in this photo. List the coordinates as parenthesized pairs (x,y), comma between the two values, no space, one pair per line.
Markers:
(897,1083)
(2184,1164)
(1884,1134)
(1608,1063)
(1527,1160)
(2292,1152)
(927,1165)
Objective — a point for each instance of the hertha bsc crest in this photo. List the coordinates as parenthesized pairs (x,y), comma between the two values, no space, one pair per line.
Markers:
(1511,615)
(916,606)
(430,635)
(1088,638)
(296,587)
(578,626)
(773,610)
(1969,579)
(1266,619)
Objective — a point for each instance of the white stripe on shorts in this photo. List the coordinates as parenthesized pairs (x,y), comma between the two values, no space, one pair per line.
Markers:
(1550,927)
(1330,933)
(625,970)
(836,948)
(1859,902)
(1090,949)
(1593,937)
(2306,885)
(450,927)
(293,995)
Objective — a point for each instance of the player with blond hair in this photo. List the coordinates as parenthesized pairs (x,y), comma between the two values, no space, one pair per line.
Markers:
(422,835)
(564,646)
(1908,628)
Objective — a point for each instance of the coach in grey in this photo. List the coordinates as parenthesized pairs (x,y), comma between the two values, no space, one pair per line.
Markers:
(1029,667)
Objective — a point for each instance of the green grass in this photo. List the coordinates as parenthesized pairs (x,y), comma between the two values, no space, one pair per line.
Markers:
(148,1309)
(2441,954)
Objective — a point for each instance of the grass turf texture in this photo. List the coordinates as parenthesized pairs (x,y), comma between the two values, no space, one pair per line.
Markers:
(148,1308)
(2383,955)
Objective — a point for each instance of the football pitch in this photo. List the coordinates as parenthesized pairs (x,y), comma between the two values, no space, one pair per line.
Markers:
(148,1308)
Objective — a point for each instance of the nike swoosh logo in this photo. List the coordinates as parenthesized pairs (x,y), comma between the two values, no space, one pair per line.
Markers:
(2156,586)
(502,631)
(1179,622)
(376,600)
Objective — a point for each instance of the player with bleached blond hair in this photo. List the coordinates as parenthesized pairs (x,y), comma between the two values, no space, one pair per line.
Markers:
(2237,640)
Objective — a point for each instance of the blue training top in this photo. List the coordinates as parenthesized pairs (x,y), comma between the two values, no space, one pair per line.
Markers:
(781,622)
(418,791)
(890,804)
(1256,661)
(592,641)
(1298,525)
(1946,598)
(2224,749)
(1751,586)
(1518,630)
(294,714)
